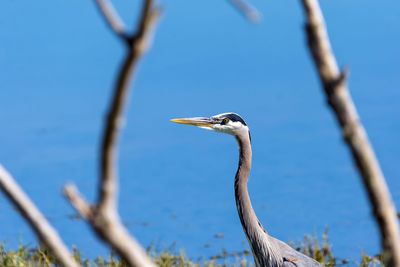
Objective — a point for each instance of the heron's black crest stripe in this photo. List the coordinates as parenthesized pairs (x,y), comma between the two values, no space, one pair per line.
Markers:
(234,117)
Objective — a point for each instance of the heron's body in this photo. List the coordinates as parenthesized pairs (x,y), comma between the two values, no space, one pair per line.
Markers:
(267,251)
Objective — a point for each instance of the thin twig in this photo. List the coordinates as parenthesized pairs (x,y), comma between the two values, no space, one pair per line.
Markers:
(112,18)
(339,99)
(46,233)
(71,192)
(103,216)
(248,11)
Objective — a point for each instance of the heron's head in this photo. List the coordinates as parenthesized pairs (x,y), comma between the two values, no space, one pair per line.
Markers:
(230,123)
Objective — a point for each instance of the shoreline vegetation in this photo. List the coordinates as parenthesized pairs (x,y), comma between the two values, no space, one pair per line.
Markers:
(319,249)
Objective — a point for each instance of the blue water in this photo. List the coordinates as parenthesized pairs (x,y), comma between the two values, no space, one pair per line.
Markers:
(58,62)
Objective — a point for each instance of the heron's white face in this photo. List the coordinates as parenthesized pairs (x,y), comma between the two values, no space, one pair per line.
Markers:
(229,123)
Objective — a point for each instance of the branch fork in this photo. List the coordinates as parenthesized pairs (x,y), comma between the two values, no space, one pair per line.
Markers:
(103,216)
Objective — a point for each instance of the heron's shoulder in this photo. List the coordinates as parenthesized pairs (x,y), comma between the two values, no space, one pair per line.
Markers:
(294,258)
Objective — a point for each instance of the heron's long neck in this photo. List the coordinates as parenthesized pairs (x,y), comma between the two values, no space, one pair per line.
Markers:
(247,215)
(256,235)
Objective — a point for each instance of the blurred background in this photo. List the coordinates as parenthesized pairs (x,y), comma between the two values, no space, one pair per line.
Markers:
(58,63)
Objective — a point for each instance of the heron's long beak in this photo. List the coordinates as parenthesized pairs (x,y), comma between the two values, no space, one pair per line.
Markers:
(198,121)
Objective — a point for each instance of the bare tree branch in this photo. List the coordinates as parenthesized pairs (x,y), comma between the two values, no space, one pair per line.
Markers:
(334,84)
(103,216)
(248,11)
(137,47)
(46,233)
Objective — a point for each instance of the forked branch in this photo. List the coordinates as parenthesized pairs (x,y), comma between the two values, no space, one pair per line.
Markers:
(339,99)
(103,216)
(46,233)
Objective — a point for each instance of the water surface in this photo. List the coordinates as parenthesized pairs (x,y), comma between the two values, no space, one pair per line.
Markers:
(58,63)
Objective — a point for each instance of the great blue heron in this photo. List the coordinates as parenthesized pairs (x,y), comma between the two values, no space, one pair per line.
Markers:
(267,250)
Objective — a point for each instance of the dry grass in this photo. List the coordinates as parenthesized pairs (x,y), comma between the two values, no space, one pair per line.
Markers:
(319,250)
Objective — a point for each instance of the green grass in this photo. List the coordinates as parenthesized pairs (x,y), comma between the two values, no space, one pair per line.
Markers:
(311,246)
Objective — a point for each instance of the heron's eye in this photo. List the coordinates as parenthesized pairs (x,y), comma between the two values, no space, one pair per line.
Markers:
(224,121)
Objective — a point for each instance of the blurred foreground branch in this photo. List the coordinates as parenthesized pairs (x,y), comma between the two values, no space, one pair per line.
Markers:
(339,99)
(46,233)
(248,11)
(112,18)
(103,216)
